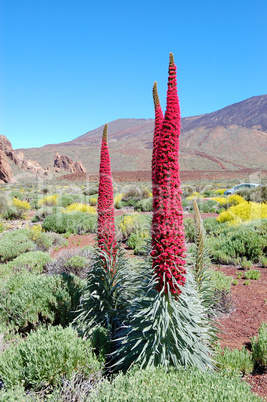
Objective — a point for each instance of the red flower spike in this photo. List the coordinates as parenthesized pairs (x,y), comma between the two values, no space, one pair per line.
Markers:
(157,131)
(167,225)
(106,222)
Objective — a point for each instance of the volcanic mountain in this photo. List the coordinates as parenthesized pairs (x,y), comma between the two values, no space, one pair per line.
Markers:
(231,138)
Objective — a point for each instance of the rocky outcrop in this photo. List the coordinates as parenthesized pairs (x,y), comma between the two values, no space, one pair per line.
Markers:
(6,173)
(7,153)
(64,162)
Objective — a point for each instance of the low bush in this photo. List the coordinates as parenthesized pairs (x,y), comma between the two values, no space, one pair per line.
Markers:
(221,301)
(234,360)
(138,242)
(252,274)
(42,213)
(90,190)
(74,261)
(145,205)
(75,222)
(33,261)
(3,204)
(14,243)
(28,300)
(79,207)
(50,200)
(263,261)
(244,241)
(245,264)
(259,346)
(135,193)
(47,357)
(189,227)
(244,212)
(159,384)
(133,223)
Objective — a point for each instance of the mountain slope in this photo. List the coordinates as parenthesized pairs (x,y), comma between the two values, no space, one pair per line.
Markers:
(234,137)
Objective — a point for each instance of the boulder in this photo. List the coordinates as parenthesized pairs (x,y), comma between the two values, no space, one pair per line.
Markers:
(64,162)
(6,173)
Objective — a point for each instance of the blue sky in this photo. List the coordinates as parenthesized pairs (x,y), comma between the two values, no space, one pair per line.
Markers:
(69,66)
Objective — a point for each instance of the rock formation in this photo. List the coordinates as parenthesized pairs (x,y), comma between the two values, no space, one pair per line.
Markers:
(64,162)
(7,153)
(6,173)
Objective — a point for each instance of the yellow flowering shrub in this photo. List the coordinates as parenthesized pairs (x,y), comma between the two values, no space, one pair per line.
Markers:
(93,200)
(220,191)
(79,207)
(243,212)
(50,200)
(220,200)
(23,205)
(133,223)
(235,199)
(195,194)
(35,230)
(117,199)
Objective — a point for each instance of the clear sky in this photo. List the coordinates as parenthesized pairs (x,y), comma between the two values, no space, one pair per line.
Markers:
(69,66)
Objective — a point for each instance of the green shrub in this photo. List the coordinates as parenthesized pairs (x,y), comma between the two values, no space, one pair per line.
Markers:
(46,357)
(221,301)
(90,190)
(33,261)
(42,213)
(101,342)
(212,226)
(145,205)
(263,261)
(189,227)
(75,222)
(252,274)
(220,281)
(65,200)
(27,299)
(245,264)
(234,360)
(135,193)
(138,242)
(132,223)
(73,261)
(159,384)
(233,242)
(15,243)
(3,204)
(259,346)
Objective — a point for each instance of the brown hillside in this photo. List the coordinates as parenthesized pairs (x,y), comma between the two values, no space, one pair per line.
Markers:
(233,138)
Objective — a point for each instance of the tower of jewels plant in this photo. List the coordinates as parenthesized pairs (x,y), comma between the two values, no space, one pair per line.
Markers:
(104,301)
(167,230)
(106,225)
(157,130)
(168,324)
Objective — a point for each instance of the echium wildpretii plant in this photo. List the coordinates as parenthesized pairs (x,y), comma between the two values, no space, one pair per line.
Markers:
(157,131)
(108,291)
(106,223)
(168,324)
(167,232)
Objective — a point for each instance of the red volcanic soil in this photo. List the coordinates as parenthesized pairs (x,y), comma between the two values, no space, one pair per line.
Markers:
(145,175)
(237,327)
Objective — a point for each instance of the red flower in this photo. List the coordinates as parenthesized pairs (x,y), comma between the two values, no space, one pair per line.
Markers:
(167,225)
(106,223)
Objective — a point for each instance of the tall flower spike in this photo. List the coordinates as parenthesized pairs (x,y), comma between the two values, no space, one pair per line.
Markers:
(167,232)
(106,223)
(157,130)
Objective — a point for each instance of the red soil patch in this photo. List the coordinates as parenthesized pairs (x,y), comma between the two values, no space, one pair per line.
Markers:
(75,241)
(250,311)
(145,175)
